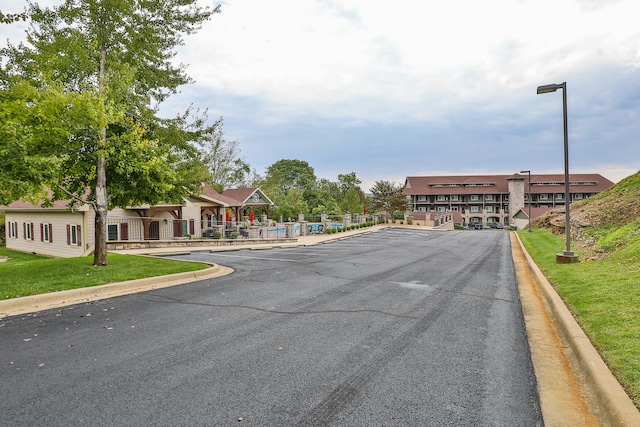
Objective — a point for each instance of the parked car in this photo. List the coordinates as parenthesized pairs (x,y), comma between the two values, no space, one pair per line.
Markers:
(499,225)
(478,226)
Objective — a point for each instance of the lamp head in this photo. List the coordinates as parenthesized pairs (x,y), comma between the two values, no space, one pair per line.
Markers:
(525,171)
(549,88)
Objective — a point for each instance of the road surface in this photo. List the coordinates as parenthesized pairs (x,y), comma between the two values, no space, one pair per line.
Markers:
(400,327)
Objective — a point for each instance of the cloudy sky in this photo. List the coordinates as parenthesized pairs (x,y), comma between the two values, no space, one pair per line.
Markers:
(420,87)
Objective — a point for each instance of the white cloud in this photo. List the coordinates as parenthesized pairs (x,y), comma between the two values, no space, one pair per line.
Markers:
(391,89)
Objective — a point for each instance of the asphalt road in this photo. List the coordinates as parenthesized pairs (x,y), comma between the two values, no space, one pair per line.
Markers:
(395,328)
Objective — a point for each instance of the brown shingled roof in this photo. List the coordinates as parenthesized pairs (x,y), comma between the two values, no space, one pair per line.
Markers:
(462,184)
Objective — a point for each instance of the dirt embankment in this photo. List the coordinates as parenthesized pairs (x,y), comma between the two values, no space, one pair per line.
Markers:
(594,219)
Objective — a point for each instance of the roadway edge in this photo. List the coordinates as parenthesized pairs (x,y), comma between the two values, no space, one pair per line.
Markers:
(613,405)
(33,303)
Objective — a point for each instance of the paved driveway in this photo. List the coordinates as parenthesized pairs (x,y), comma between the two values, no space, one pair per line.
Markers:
(396,328)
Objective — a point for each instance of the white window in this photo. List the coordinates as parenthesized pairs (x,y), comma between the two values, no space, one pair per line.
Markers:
(441,209)
(488,196)
(442,198)
(13,230)
(544,197)
(488,208)
(474,197)
(422,198)
(422,209)
(28,231)
(474,209)
(46,233)
(454,208)
(454,197)
(112,232)
(559,196)
(577,196)
(73,235)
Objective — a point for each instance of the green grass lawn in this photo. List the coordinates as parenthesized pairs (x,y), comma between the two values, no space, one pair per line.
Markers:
(604,295)
(26,274)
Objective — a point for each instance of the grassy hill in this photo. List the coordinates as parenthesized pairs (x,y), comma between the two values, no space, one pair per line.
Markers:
(604,224)
(603,290)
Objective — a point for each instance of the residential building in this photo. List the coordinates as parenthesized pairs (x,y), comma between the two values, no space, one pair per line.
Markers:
(489,199)
(61,231)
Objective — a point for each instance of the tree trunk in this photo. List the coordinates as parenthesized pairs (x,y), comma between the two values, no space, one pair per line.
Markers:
(100,252)
(101,206)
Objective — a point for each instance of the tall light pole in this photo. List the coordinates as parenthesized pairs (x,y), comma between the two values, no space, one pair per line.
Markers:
(567,256)
(529,172)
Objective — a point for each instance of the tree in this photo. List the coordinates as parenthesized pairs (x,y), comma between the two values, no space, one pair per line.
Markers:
(222,158)
(81,94)
(287,174)
(352,197)
(388,197)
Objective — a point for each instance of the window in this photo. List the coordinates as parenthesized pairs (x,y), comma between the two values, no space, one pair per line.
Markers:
(474,209)
(118,231)
(577,196)
(13,229)
(422,198)
(474,197)
(489,208)
(454,208)
(46,233)
(422,209)
(488,196)
(28,230)
(441,209)
(543,197)
(74,236)
(112,232)
(442,198)
(454,197)
(559,196)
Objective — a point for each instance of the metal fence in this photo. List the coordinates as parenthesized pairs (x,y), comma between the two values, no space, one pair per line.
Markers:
(148,229)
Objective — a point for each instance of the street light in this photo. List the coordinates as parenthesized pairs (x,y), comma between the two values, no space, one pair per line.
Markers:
(567,256)
(529,172)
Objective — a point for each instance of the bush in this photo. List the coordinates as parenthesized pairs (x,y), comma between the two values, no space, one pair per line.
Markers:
(233,235)
(217,234)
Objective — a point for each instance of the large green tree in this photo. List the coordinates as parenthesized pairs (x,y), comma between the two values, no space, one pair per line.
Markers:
(286,173)
(388,197)
(81,99)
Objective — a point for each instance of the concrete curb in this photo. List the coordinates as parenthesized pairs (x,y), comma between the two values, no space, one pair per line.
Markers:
(611,403)
(29,304)
(33,303)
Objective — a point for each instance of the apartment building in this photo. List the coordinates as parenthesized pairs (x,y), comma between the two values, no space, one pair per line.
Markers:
(489,199)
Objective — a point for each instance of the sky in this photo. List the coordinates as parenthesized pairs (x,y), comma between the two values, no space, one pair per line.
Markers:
(417,87)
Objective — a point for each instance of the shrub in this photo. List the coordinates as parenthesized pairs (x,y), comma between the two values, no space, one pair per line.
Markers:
(233,235)
(217,234)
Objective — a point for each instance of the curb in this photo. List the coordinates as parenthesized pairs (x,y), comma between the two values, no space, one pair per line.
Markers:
(611,403)
(32,303)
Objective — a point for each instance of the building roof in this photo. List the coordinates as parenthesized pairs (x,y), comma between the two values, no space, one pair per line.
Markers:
(210,193)
(535,212)
(496,184)
(55,204)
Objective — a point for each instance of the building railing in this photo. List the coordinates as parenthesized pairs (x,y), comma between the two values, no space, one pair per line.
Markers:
(154,229)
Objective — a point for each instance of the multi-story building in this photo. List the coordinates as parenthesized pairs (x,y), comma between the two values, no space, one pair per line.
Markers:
(489,199)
